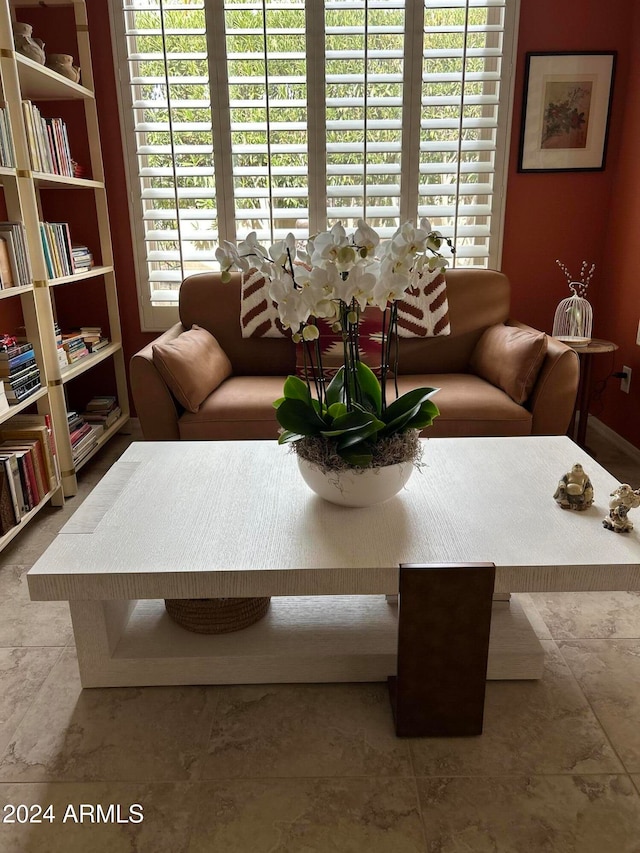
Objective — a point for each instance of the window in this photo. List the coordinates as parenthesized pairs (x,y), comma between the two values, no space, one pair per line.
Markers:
(285,115)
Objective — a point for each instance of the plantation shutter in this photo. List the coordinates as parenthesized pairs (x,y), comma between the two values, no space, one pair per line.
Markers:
(284,115)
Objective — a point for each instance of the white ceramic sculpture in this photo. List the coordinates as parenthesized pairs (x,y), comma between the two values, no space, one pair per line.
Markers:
(622,500)
(25,44)
(574,489)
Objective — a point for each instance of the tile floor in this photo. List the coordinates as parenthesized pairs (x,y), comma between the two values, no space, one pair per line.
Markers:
(308,768)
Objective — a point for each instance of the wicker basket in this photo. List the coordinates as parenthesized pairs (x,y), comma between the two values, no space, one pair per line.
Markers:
(216,615)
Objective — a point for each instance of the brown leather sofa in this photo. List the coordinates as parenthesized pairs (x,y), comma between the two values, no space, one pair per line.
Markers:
(470,405)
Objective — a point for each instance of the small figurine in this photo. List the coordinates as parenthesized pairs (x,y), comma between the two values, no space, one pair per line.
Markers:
(622,500)
(574,489)
(62,63)
(26,44)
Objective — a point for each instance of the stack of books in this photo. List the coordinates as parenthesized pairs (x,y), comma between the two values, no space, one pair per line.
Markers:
(81,257)
(47,141)
(83,435)
(7,154)
(74,346)
(19,370)
(93,338)
(103,411)
(28,470)
(14,235)
(56,244)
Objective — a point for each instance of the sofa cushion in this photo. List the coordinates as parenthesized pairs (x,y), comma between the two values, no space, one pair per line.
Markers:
(241,408)
(193,365)
(510,358)
(469,406)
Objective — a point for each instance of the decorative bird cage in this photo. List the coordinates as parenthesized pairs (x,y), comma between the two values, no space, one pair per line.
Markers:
(573,319)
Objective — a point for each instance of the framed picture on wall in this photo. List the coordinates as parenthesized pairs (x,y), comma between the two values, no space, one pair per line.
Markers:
(565,112)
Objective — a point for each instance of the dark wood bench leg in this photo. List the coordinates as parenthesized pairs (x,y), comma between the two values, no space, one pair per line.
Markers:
(443,643)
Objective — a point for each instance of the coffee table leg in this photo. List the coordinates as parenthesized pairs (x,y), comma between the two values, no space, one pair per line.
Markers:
(443,643)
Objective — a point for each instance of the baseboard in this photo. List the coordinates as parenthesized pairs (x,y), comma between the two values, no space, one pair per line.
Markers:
(610,435)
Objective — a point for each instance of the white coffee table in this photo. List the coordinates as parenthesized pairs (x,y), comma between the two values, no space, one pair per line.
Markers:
(226,519)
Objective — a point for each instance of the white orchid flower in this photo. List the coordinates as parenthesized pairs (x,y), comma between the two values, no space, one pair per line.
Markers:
(434,241)
(327,245)
(318,291)
(358,285)
(393,282)
(226,255)
(282,250)
(365,238)
(250,248)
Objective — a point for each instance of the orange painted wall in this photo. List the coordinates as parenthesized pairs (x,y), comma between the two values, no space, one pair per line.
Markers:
(548,216)
(618,304)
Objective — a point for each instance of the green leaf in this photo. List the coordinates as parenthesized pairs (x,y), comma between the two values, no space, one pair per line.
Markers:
(402,411)
(408,401)
(426,414)
(277,402)
(351,422)
(288,436)
(295,389)
(336,410)
(299,417)
(370,386)
(335,389)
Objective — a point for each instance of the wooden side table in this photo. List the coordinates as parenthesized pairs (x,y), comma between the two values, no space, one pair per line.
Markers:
(583,398)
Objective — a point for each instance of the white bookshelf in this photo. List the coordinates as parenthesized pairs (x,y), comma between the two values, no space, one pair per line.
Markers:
(26,201)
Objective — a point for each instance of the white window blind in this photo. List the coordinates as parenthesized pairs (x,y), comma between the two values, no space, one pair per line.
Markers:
(285,115)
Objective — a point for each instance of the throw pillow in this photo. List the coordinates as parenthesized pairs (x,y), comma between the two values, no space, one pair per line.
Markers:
(259,316)
(510,358)
(192,365)
(332,349)
(424,311)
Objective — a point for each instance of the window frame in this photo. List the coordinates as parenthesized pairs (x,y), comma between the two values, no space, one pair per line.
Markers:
(157,318)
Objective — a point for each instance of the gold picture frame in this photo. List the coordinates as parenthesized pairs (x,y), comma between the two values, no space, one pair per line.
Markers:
(565,114)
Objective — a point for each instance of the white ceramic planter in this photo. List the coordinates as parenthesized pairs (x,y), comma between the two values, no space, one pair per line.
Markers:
(357,487)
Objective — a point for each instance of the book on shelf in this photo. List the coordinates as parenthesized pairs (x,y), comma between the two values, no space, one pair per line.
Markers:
(26,459)
(47,141)
(7,510)
(6,272)
(4,403)
(16,367)
(103,411)
(39,434)
(82,258)
(20,391)
(10,463)
(87,444)
(56,245)
(36,453)
(7,153)
(101,403)
(77,434)
(16,231)
(37,423)
(18,375)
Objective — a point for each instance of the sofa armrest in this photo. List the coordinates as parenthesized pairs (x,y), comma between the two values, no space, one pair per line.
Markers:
(155,405)
(553,397)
